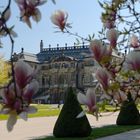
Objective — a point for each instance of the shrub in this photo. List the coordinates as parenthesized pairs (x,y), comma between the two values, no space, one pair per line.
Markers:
(67,125)
(129,114)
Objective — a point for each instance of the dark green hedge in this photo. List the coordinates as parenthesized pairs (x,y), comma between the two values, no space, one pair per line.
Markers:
(129,114)
(67,125)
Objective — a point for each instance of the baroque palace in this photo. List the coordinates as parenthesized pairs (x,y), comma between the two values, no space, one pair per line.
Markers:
(59,68)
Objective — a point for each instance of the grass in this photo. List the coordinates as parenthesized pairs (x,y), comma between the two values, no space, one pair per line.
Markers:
(99,132)
(43,111)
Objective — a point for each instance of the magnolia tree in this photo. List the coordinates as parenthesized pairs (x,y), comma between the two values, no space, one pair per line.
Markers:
(17,94)
(116,78)
(118,75)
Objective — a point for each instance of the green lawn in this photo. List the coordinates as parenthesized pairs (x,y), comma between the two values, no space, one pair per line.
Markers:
(99,132)
(43,111)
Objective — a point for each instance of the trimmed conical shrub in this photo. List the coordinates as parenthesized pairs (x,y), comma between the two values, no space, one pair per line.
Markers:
(67,125)
(129,114)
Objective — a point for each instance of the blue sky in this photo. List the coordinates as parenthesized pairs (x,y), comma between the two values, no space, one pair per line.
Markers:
(83,14)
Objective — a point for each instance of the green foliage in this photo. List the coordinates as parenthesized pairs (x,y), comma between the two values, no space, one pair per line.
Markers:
(67,125)
(4,69)
(104,106)
(129,114)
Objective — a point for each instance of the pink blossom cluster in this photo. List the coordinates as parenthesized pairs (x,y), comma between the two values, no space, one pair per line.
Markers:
(28,8)
(59,19)
(17,95)
(134,41)
(112,75)
(109,16)
(115,76)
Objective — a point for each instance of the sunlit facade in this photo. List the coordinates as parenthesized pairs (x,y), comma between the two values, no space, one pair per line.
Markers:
(59,68)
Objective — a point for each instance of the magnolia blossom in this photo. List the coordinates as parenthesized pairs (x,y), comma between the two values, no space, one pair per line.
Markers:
(120,96)
(112,36)
(109,18)
(103,77)
(28,8)
(17,96)
(101,53)
(109,24)
(89,99)
(134,42)
(59,18)
(24,73)
(133,61)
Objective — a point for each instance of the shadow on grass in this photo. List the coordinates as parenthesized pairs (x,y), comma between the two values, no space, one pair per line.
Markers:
(97,132)
(72,138)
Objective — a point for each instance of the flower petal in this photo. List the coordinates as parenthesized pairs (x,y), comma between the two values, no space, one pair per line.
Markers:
(81,114)
(31,109)
(30,90)
(134,42)
(103,77)
(11,120)
(23,71)
(37,16)
(82,98)
(112,34)
(91,96)
(24,115)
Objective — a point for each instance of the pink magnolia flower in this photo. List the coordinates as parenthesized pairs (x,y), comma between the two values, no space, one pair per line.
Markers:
(89,99)
(103,77)
(112,35)
(133,61)
(109,24)
(17,102)
(28,8)
(59,18)
(23,73)
(101,53)
(30,90)
(109,18)
(134,42)
(120,96)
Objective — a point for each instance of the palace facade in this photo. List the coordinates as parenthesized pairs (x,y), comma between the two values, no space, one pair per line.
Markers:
(59,68)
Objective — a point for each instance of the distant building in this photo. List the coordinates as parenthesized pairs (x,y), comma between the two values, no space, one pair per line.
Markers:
(60,68)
